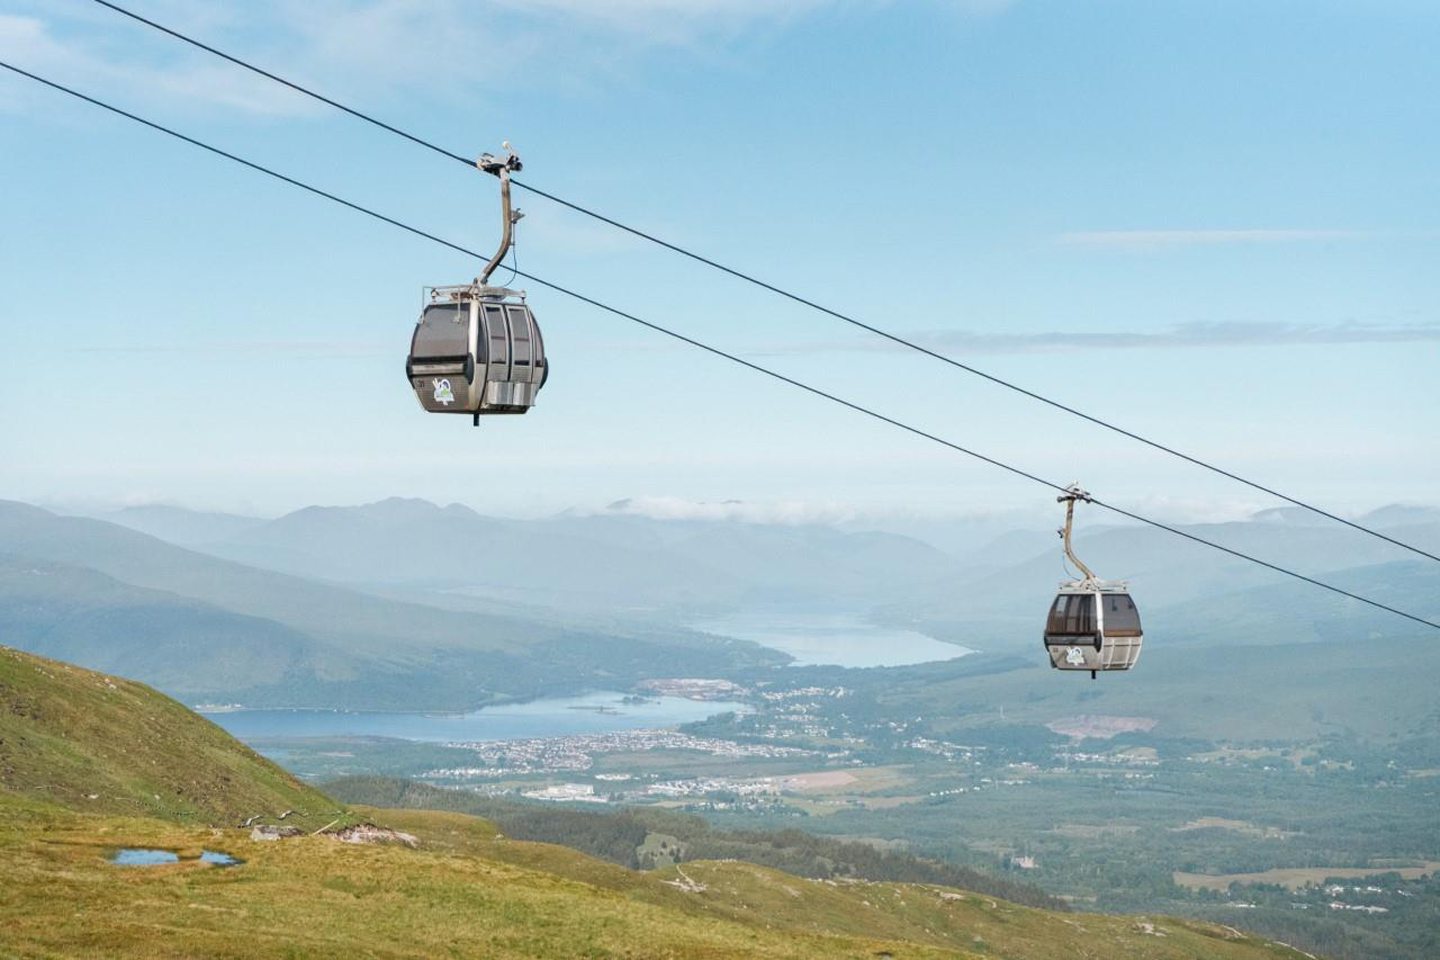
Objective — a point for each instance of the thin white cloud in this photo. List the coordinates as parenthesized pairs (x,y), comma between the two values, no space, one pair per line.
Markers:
(379,50)
(688,22)
(1178,337)
(33,44)
(781,512)
(1159,239)
(671,21)
(332,349)
(1189,335)
(1172,509)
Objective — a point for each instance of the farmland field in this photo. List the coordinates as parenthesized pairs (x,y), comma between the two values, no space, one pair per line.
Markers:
(1296,877)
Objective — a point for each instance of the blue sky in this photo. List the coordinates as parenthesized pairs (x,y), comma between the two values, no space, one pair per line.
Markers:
(1214,223)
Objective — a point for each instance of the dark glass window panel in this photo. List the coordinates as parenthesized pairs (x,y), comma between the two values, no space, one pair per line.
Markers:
(520,329)
(499,335)
(444,336)
(1072,615)
(1121,617)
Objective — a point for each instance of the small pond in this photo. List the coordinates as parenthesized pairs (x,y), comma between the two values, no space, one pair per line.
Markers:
(151,857)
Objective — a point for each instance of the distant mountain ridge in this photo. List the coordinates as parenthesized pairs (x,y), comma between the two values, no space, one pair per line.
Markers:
(403,603)
(178,525)
(204,627)
(625,559)
(1188,589)
(84,616)
(592,563)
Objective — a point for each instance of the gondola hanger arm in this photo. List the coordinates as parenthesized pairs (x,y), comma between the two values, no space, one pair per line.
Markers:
(1073,493)
(501,167)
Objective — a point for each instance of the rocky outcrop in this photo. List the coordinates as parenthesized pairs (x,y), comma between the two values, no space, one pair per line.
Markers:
(369,833)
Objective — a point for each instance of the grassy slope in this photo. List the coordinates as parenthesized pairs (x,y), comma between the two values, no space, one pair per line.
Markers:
(67,735)
(914,913)
(466,892)
(162,777)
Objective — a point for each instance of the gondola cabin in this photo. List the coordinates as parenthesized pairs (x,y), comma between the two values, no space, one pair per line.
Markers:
(1093,626)
(476,350)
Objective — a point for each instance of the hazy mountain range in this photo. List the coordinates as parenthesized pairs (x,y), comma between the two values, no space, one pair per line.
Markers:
(1188,592)
(206,628)
(592,563)
(404,604)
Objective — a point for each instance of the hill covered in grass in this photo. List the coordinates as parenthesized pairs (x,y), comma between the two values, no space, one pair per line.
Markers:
(92,763)
(467,890)
(96,743)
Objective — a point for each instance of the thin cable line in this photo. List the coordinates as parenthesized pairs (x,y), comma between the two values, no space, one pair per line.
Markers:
(851,405)
(287,83)
(779,291)
(960,365)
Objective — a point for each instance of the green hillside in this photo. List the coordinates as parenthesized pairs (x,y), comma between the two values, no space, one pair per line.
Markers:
(1296,612)
(467,891)
(91,763)
(187,647)
(96,743)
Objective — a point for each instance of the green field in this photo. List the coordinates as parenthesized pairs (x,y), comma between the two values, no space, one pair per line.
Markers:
(1294,878)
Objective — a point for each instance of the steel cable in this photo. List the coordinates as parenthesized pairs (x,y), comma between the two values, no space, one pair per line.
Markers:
(780,291)
(716,351)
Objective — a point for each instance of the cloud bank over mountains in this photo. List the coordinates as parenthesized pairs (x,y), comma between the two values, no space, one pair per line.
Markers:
(782,512)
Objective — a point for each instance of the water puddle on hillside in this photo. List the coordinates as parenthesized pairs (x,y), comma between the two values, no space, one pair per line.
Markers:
(151,857)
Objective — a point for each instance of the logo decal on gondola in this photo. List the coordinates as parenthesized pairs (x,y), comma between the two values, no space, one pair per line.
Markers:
(443,393)
(1074,656)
